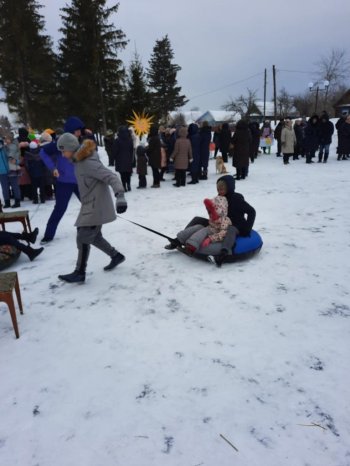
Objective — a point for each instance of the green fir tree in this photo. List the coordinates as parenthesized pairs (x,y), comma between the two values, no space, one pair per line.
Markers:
(162,74)
(91,72)
(27,63)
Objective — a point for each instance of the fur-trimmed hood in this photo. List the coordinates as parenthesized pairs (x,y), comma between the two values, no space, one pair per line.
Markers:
(87,149)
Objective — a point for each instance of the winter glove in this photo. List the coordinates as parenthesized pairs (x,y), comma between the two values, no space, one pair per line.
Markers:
(206,243)
(121,204)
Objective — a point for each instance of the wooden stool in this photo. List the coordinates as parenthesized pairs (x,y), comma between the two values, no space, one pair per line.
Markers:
(8,283)
(21,216)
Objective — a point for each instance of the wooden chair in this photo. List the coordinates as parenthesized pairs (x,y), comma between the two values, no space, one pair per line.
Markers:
(21,216)
(8,283)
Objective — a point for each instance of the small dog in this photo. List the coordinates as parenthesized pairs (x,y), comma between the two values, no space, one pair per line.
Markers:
(220,166)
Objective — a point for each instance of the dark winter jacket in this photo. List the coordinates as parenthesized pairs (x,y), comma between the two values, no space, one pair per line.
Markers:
(312,134)
(225,138)
(326,130)
(241,141)
(108,142)
(241,214)
(194,137)
(154,148)
(340,123)
(34,163)
(278,130)
(141,161)
(205,139)
(123,151)
(23,140)
(299,131)
(344,139)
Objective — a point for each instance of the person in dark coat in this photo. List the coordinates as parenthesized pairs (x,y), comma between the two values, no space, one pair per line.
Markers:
(205,139)
(344,144)
(326,130)
(241,141)
(37,172)
(225,141)
(24,181)
(339,124)
(312,138)
(216,140)
(278,134)
(241,214)
(123,154)
(141,166)
(255,132)
(299,130)
(14,239)
(194,137)
(108,141)
(154,155)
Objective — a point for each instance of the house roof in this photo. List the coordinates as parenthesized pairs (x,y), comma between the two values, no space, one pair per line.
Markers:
(219,116)
(339,103)
(190,116)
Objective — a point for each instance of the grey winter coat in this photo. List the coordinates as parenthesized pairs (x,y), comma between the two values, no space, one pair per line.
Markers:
(288,140)
(94,180)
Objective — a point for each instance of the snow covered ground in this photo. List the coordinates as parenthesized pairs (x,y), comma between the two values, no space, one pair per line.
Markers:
(149,364)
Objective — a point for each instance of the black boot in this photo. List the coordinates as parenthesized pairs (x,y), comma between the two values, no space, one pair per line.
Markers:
(79,274)
(31,237)
(7,205)
(32,253)
(75,277)
(16,204)
(174,244)
(116,260)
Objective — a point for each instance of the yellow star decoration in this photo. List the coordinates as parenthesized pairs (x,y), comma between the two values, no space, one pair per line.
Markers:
(141,122)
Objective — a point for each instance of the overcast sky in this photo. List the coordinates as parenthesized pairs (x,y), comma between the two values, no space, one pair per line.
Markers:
(219,42)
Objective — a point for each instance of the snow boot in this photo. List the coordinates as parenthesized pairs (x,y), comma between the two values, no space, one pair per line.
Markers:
(116,260)
(16,204)
(75,277)
(174,244)
(31,237)
(7,205)
(32,253)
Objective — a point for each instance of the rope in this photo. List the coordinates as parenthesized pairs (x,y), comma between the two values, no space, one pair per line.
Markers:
(148,229)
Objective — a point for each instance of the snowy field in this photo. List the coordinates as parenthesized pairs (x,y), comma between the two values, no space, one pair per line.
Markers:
(149,364)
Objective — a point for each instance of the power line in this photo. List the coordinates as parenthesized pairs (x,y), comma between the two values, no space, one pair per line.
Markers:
(297,71)
(225,87)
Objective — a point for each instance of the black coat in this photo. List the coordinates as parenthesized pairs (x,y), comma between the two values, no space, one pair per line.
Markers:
(242,140)
(344,139)
(326,130)
(108,142)
(312,135)
(278,130)
(299,131)
(154,151)
(194,137)
(205,139)
(142,161)
(225,138)
(123,151)
(241,214)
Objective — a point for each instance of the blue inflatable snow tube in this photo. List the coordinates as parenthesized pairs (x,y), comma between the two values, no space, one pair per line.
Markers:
(246,246)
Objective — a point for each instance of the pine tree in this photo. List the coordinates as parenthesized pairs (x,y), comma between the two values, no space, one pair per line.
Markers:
(27,63)
(137,97)
(162,73)
(91,72)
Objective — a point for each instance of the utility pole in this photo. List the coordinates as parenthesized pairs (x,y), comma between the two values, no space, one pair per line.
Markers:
(265,86)
(274,93)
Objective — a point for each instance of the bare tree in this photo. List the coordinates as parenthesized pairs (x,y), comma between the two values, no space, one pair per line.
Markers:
(334,67)
(245,105)
(304,103)
(178,119)
(285,102)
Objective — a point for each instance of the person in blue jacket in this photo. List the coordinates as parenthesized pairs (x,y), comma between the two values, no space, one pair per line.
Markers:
(66,182)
